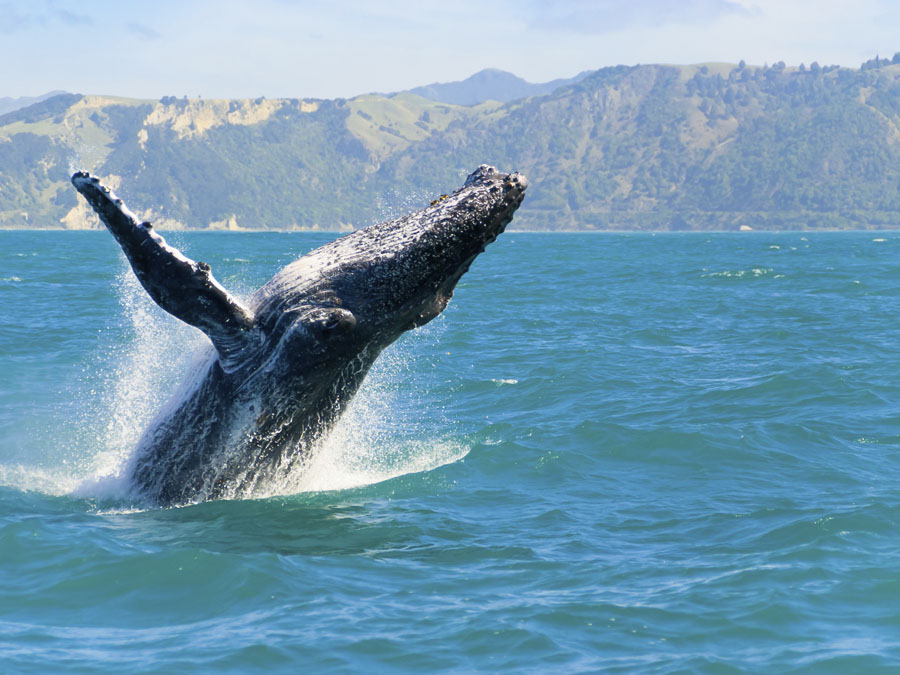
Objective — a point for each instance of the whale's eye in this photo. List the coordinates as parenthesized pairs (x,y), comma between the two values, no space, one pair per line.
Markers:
(332,321)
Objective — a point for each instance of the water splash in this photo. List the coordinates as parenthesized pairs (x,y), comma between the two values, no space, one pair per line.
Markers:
(157,349)
(377,438)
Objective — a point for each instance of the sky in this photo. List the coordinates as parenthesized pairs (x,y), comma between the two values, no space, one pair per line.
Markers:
(342,48)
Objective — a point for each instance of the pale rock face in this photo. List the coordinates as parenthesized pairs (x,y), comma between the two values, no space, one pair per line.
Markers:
(195,117)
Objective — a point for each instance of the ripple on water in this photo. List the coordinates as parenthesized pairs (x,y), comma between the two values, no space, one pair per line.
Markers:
(683,459)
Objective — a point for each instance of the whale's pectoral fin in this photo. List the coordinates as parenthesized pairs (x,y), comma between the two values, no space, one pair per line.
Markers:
(181,286)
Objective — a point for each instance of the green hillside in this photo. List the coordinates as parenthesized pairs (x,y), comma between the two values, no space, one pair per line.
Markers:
(714,146)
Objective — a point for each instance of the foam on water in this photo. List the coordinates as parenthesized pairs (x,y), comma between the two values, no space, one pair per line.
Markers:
(377,438)
(53,481)
(365,446)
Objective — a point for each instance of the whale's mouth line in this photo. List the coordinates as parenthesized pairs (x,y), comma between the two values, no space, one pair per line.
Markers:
(445,290)
(421,310)
(502,220)
(442,294)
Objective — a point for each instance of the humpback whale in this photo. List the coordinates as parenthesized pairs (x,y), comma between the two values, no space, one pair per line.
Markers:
(283,365)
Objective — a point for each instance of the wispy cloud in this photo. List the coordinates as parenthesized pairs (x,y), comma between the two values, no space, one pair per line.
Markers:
(73,18)
(142,30)
(11,19)
(606,16)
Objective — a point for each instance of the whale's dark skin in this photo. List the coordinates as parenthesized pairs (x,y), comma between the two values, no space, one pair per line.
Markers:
(286,363)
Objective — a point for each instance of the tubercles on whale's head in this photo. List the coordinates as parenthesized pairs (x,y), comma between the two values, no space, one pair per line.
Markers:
(417,260)
(486,175)
(360,292)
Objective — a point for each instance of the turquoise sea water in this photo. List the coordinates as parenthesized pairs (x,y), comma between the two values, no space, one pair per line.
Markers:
(673,453)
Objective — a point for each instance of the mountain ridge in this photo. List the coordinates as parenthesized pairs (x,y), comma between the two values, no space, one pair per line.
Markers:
(646,147)
(9,103)
(490,84)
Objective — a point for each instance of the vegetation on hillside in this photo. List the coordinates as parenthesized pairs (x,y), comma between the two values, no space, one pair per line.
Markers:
(713,146)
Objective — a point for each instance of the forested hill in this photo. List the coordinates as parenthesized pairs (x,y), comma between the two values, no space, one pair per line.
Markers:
(715,146)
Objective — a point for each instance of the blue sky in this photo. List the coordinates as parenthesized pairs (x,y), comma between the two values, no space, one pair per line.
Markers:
(340,48)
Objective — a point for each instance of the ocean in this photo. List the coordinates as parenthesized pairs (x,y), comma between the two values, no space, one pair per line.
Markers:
(612,452)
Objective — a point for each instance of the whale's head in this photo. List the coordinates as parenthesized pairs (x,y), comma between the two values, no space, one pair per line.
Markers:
(365,289)
(409,267)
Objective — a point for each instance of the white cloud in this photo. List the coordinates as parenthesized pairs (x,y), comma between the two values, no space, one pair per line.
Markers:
(606,16)
(231,48)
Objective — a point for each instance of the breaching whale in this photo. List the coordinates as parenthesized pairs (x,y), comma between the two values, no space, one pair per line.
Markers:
(287,361)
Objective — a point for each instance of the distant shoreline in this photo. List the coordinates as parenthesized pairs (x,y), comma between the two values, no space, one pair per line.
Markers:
(599,232)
